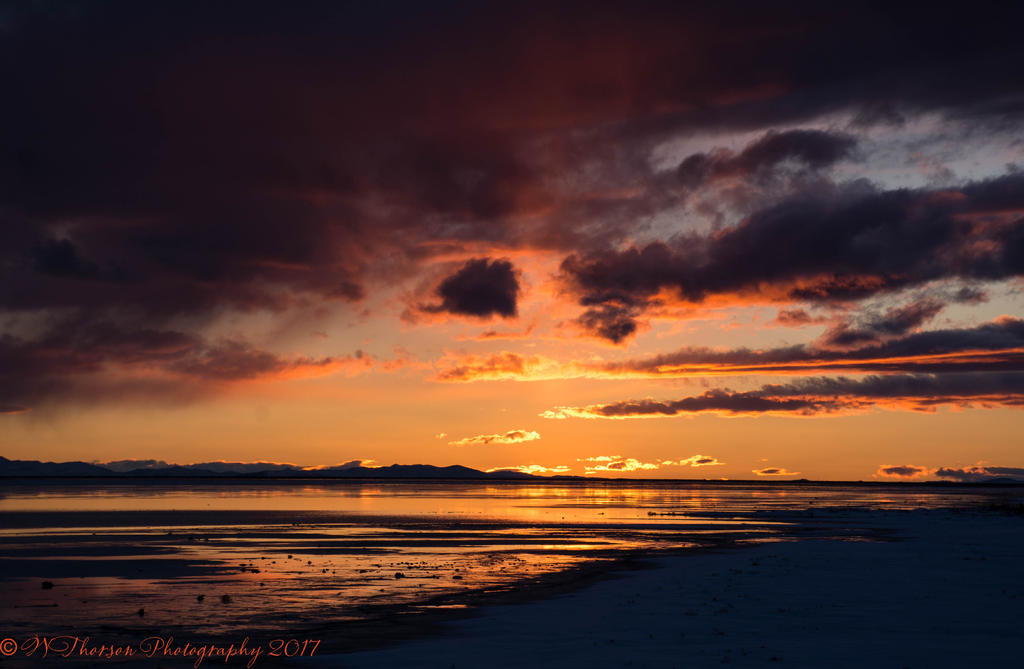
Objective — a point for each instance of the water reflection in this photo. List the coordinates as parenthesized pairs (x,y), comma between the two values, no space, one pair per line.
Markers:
(508,501)
(243,556)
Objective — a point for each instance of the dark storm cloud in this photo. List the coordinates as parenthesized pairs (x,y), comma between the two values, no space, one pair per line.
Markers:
(797,318)
(609,321)
(875,328)
(813,149)
(712,400)
(234,360)
(482,287)
(93,361)
(248,156)
(969,295)
(979,473)
(163,163)
(995,346)
(60,258)
(815,396)
(845,243)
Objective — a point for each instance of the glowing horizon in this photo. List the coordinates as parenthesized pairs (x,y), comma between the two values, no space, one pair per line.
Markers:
(315,245)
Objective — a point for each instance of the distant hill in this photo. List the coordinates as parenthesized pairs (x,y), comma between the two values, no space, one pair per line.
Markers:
(36,468)
(157,469)
(995,480)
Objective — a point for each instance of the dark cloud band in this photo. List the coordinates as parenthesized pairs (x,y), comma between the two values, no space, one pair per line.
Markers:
(825,395)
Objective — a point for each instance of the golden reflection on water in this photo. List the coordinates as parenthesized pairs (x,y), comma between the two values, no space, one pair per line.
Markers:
(333,551)
(589,501)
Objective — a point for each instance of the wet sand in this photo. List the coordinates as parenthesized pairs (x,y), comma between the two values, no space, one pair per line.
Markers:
(350,581)
(946,591)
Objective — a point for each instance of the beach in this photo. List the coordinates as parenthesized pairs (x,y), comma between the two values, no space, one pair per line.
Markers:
(945,591)
(667,574)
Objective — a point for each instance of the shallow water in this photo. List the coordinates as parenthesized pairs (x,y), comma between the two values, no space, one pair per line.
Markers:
(232,557)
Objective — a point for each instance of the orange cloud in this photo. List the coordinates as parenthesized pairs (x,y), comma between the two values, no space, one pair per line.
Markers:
(902,471)
(617,463)
(996,346)
(488,335)
(498,366)
(693,461)
(774,471)
(510,437)
(533,469)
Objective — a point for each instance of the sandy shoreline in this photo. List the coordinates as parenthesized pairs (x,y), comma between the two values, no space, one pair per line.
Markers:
(947,593)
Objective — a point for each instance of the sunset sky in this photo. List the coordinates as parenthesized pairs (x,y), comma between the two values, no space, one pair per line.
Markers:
(726,240)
